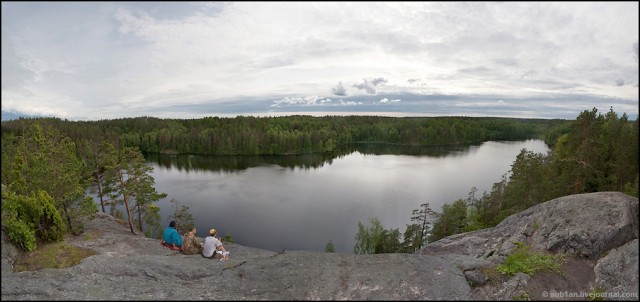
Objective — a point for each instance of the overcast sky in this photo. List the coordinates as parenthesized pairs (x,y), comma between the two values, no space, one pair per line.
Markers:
(101,60)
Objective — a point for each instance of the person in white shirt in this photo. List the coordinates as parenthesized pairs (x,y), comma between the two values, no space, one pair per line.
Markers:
(213,246)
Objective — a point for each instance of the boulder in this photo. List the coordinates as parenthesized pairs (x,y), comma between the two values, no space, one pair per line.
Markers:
(512,289)
(9,254)
(617,273)
(584,225)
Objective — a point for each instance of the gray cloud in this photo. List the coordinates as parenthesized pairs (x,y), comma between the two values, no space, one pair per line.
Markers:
(369,84)
(91,59)
(378,81)
(339,90)
(529,74)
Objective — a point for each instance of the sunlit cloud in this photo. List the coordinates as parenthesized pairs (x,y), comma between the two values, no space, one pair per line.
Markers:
(387,101)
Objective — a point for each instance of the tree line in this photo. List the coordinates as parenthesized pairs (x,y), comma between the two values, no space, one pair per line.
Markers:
(247,135)
(596,153)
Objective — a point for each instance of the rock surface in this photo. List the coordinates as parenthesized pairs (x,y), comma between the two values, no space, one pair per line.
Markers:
(132,267)
(9,253)
(618,271)
(584,224)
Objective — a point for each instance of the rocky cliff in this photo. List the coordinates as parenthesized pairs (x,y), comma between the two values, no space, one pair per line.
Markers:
(600,229)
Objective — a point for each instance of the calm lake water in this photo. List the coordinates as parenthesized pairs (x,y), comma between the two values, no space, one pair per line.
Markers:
(301,202)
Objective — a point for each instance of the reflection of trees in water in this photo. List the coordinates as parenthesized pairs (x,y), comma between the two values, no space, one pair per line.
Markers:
(233,163)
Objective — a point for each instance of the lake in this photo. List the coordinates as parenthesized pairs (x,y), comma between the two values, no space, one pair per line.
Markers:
(300,202)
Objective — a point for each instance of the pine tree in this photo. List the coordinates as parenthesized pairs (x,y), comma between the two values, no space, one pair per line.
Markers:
(130,179)
(329,248)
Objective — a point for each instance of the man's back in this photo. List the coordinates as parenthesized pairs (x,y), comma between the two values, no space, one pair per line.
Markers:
(210,245)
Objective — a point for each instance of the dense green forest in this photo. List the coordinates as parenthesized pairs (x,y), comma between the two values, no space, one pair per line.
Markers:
(49,165)
(597,153)
(292,134)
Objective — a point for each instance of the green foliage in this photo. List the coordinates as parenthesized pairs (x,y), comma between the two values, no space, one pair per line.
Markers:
(596,294)
(452,220)
(41,158)
(129,177)
(227,238)
(48,222)
(27,218)
(415,235)
(290,134)
(594,153)
(375,239)
(183,218)
(525,260)
(329,248)
(524,296)
(631,188)
(85,211)
(20,233)
(152,220)
(98,157)
(368,237)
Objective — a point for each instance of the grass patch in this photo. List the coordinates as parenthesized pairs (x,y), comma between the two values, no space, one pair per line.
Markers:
(525,260)
(91,235)
(51,255)
(524,296)
(536,226)
(492,274)
(596,294)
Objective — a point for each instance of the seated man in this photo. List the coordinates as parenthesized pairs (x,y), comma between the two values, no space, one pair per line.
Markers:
(171,238)
(213,246)
(190,245)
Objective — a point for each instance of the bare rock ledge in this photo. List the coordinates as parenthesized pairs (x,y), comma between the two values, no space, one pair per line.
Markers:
(132,267)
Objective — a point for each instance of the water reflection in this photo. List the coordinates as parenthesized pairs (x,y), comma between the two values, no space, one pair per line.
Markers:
(234,163)
(299,202)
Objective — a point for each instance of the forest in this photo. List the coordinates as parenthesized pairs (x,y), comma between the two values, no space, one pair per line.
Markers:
(50,165)
(597,153)
(247,135)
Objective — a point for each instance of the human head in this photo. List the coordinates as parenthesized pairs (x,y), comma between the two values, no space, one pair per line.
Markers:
(212,232)
(172,224)
(193,230)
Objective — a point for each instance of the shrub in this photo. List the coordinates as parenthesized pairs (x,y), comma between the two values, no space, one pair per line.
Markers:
(20,234)
(27,218)
(329,248)
(227,238)
(49,224)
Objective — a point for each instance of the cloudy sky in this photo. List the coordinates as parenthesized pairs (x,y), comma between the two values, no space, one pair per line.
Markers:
(101,60)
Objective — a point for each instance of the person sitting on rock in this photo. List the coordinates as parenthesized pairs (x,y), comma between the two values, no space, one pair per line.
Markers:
(171,238)
(213,246)
(190,244)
